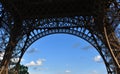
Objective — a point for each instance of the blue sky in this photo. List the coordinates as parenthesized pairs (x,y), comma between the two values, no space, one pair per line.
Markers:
(63,54)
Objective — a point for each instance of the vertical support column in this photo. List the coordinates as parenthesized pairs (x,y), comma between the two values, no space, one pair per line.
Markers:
(14,38)
(6,59)
(116,63)
(118,71)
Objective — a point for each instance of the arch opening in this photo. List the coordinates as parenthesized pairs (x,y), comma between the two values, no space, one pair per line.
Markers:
(74,26)
(55,45)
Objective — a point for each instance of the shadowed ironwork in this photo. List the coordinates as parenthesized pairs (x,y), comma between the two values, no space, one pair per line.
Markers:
(22,22)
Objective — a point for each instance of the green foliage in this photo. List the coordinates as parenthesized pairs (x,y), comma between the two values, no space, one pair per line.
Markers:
(23,69)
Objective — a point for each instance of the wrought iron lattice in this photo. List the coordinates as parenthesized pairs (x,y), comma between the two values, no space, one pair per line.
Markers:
(18,30)
(82,27)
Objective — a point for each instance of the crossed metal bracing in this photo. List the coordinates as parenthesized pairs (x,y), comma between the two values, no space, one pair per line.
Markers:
(99,32)
(83,27)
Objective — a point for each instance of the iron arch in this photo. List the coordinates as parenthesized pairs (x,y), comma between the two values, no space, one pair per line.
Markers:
(93,39)
(83,27)
(79,29)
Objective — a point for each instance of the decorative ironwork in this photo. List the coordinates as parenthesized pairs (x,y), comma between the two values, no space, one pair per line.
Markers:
(82,27)
(100,28)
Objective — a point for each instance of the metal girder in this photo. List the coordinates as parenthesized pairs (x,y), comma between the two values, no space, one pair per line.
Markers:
(51,8)
(83,27)
(20,26)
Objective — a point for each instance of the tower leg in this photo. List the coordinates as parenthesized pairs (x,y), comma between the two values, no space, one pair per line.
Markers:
(6,59)
(4,70)
(118,71)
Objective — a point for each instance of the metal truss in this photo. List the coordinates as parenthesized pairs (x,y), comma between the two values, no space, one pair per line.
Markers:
(83,27)
(101,33)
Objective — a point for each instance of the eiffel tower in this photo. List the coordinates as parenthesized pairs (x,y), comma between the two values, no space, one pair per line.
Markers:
(22,22)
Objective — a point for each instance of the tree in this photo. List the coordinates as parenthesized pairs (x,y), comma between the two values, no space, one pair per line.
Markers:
(23,69)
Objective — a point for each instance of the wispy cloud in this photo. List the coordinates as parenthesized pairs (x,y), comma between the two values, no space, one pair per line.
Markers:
(98,58)
(32,50)
(97,72)
(67,71)
(39,69)
(39,62)
(76,45)
(87,47)
(94,72)
(22,60)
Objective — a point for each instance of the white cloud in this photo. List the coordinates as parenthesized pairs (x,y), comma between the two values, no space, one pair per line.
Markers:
(1,55)
(97,58)
(39,62)
(22,60)
(32,63)
(67,71)
(15,60)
